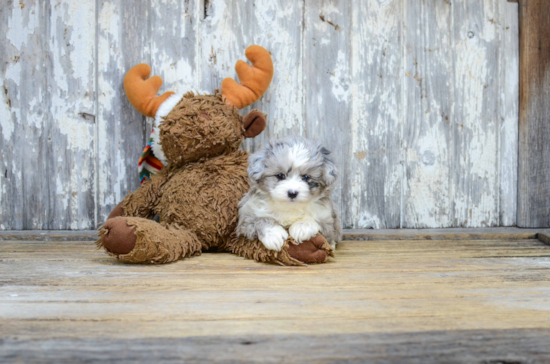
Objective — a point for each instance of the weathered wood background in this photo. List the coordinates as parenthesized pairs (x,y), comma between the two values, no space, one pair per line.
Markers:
(534,115)
(418,100)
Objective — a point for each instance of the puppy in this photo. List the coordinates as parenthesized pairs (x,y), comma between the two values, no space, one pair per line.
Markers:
(291,180)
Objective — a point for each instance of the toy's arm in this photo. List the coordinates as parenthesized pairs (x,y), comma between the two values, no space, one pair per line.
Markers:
(143,201)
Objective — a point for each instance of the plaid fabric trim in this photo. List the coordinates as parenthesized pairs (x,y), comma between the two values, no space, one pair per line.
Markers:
(148,164)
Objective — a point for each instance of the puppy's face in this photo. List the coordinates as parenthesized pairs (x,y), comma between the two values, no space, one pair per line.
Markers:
(292,170)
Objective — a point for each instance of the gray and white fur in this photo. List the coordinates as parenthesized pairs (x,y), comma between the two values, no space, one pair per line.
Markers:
(290,184)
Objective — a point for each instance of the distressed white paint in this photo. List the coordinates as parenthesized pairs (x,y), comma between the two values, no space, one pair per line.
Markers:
(327,81)
(417,100)
(6,122)
(123,42)
(508,89)
(22,24)
(72,90)
(230,27)
(373,157)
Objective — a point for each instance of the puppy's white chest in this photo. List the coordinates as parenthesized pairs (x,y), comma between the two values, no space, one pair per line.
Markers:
(287,214)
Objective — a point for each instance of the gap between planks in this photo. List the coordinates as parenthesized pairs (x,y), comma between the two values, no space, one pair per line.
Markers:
(508,233)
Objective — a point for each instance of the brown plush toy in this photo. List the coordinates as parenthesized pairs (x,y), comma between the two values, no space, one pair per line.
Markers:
(196,194)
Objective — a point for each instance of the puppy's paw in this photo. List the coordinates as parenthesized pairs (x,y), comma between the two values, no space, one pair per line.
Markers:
(274,237)
(303,230)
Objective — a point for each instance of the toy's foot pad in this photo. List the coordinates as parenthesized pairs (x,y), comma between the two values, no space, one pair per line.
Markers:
(117,237)
(314,250)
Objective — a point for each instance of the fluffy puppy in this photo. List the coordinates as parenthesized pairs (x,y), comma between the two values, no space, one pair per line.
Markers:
(291,180)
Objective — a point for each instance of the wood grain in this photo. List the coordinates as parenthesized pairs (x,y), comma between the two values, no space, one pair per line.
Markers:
(461,347)
(428,115)
(534,115)
(229,28)
(123,42)
(327,86)
(459,299)
(47,120)
(509,233)
(544,237)
(509,110)
(375,202)
(460,170)
(174,43)
(419,105)
(22,120)
(476,121)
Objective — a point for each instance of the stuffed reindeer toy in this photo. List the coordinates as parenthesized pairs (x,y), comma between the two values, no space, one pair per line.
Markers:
(197,139)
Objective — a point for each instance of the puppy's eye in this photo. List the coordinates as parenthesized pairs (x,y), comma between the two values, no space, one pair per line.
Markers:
(280,176)
(306,178)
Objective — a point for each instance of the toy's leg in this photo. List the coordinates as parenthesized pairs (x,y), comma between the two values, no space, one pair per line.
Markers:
(139,240)
(117,211)
(315,250)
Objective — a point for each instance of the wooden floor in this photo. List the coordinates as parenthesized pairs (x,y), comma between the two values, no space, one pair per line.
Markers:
(384,301)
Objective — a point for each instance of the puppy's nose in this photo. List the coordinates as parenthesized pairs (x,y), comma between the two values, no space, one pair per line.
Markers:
(292,194)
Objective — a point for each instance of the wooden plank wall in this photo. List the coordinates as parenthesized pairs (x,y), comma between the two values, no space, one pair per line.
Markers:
(418,100)
(534,116)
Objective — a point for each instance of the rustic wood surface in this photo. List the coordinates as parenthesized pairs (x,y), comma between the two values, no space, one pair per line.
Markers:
(431,347)
(544,237)
(417,100)
(459,301)
(507,233)
(534,116)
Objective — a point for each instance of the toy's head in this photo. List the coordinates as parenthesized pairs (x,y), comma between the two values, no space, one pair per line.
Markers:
(188,126)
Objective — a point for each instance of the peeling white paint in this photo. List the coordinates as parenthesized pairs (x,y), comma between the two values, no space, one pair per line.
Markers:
(111,184)
(178,75)
(368,221)
(13,75)
(340,83)
(459,160)
(6,121)
(476,206)
(109,39)
(427,189)
(78,132)
(285,93)
(22,24)
(329,9)
(509,110)
(107,96)
(375,91)
(82,40)
(279,24)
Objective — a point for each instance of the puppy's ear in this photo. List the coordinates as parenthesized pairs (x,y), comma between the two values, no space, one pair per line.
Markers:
(331,173)
(256,166)
(254,123)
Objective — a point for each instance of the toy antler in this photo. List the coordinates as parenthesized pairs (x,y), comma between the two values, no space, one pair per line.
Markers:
(254,79)
(141,92)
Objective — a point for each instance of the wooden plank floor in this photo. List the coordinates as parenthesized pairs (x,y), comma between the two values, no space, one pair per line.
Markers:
(402,301)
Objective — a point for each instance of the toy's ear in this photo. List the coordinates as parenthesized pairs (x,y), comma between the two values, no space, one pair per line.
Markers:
(254,123)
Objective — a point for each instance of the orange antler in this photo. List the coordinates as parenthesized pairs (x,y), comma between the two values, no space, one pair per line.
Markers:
(141,92)
(254,79)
